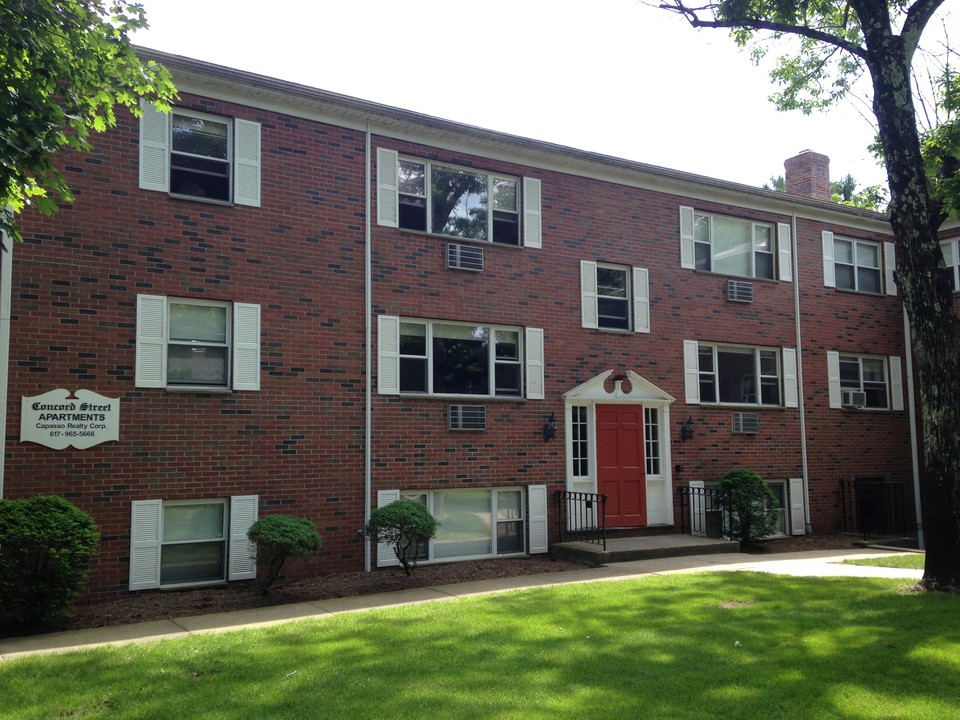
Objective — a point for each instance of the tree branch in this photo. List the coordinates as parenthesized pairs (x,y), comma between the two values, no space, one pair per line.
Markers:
(918,16)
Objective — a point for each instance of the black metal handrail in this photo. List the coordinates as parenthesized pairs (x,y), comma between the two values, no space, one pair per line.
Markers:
(708,510)
(582,516)
(873,507)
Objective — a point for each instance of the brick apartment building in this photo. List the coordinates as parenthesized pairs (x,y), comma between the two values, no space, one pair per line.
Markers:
(282,300)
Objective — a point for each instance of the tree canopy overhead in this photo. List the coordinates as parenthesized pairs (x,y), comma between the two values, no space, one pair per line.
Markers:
(65,65)
(838,42)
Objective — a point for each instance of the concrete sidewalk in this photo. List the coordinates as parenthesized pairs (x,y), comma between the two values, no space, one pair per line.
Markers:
(819,563)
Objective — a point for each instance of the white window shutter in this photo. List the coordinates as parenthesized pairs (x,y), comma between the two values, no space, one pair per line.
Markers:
(829,272)
(833,378)
(243,553)
(896,383)
(785,246)
(641,300)
(388,355)
(532,218)
(151,362)
(790,396)
(246,346)
(537,519)
(246,159)
(691,371)
(388,187)
(798,521)
(386,557)
(145,544)
(687,259)
(589,313)
(533,353)
(154,148)
(890,267)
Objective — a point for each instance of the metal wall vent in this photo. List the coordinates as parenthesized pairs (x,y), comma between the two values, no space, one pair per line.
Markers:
(464,257)
(746,423)
(739,291)
(467,417)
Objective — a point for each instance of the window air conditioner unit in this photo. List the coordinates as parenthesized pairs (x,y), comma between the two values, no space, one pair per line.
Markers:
(853,398)
(467,417)
(739,291)
(464,257)
(746,423)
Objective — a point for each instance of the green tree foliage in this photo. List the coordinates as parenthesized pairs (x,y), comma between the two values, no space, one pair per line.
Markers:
(46,544)
(834,43)
(65,65)
(843,192)
(749,501)
(941,146)
(278,538)
(407,526)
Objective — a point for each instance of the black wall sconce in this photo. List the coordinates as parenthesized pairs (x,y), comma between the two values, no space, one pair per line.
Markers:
(550,428)
(687,428)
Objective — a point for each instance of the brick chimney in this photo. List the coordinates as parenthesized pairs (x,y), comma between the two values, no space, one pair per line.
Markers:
(808,174)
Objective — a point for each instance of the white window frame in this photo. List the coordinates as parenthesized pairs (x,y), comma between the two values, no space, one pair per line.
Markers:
(786,374)
(887,259)
(893,380)
(243,155)
(637,300)
(153,342)
(529,217)
(530,361)
(147,541)
(527,521)
(780,252)
(952,262)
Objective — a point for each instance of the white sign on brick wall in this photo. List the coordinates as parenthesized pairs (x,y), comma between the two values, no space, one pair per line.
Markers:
(58,419)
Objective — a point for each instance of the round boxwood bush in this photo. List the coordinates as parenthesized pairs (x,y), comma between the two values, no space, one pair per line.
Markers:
(46,544)
(279,537)
(407,526)
(749,501)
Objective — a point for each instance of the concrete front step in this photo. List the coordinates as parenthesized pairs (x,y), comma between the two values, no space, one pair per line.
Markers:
(640,548)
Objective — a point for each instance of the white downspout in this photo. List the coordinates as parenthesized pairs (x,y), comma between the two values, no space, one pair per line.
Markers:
(914,453)
(6,283)
(368,408)
(807,528)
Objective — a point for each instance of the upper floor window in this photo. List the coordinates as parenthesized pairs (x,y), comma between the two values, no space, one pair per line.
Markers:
(865,266)
(200,156)
(733,247)
(199,344)
(951,257)
(871,382)
(438,358)
(737,375)
(614,297)
(458,202)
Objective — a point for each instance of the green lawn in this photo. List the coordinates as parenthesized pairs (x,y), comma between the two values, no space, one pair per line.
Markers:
(716,645)
(913,561)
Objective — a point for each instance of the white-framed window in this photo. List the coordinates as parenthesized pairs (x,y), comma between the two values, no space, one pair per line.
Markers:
(739,375)
(614,297)
(474,522)
(735,246)
(651,430)
(455,201)
(195,155)
(866,266)
(179,543)
(868,382)
(951,258)
(579,442)
(189,343)
(430,357)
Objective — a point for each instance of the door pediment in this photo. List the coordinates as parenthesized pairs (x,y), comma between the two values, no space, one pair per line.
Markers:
(632,388)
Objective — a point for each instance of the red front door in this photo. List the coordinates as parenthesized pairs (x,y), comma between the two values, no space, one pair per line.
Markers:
(620,464)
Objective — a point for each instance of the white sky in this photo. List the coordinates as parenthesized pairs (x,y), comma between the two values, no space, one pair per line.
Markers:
(609,76)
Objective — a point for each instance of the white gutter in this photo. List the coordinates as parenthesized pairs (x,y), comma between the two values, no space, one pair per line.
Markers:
(807,528)
(914,453)
(6,283)
(368,409)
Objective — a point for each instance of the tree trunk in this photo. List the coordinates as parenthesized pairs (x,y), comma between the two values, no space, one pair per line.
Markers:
(928,298)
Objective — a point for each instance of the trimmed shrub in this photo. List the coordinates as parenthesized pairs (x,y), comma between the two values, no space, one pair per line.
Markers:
(407,526)
(749,500)
(279,537)
(46,544)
